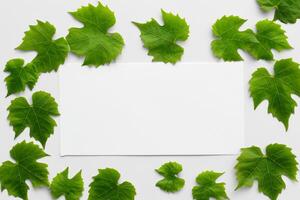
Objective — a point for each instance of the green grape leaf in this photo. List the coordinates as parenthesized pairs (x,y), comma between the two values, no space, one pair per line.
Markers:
(277,89)
(161,41)
(20,76)
(37,117)
(93,40)
(63,186)
(287,11)
(267,169)
(229,39)
(105,186)
(50,53)
(207,187)
(171,181)
(270,36)
(13,176)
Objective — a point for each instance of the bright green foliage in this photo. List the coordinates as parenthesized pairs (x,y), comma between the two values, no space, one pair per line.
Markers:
(20,76)
(13,176)
(50,53)
(37,117)
(229,39)
(63,186)
(105,186)
(161,40)
(93,40)
(266,169)
(277,89)
(270,36)
(171,181)
(208,188)
(287,11)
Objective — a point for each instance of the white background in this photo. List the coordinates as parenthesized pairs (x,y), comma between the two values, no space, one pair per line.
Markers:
(159,109)
(261,128)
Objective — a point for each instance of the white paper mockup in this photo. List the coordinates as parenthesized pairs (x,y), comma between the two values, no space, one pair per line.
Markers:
(152,109)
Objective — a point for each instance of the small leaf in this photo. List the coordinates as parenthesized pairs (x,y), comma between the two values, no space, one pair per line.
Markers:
(287,11)
(20,76)
(161,41)
(277,89)
(50,53)
(13,176)
(37,117)
(105,186)
(229,39)
(63,186)
(171,181)
(208,188)
(93,40)
(267,169)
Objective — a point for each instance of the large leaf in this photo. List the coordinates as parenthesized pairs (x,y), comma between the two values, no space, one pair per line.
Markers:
(161,40)
(93,40)
(105,186)
(277,89)
(71,189)
(171,181)
(229,39)
(270,36)
(267,169)
(287,11)
(20,76)
(50,53)
(13,175)
(208,188)
(37,117)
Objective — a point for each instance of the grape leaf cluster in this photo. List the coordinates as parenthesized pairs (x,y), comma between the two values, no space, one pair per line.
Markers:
(229,39)
(99,46)
(13,177)
(50,55)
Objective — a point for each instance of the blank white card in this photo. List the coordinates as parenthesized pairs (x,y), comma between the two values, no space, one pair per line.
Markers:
(152,109)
